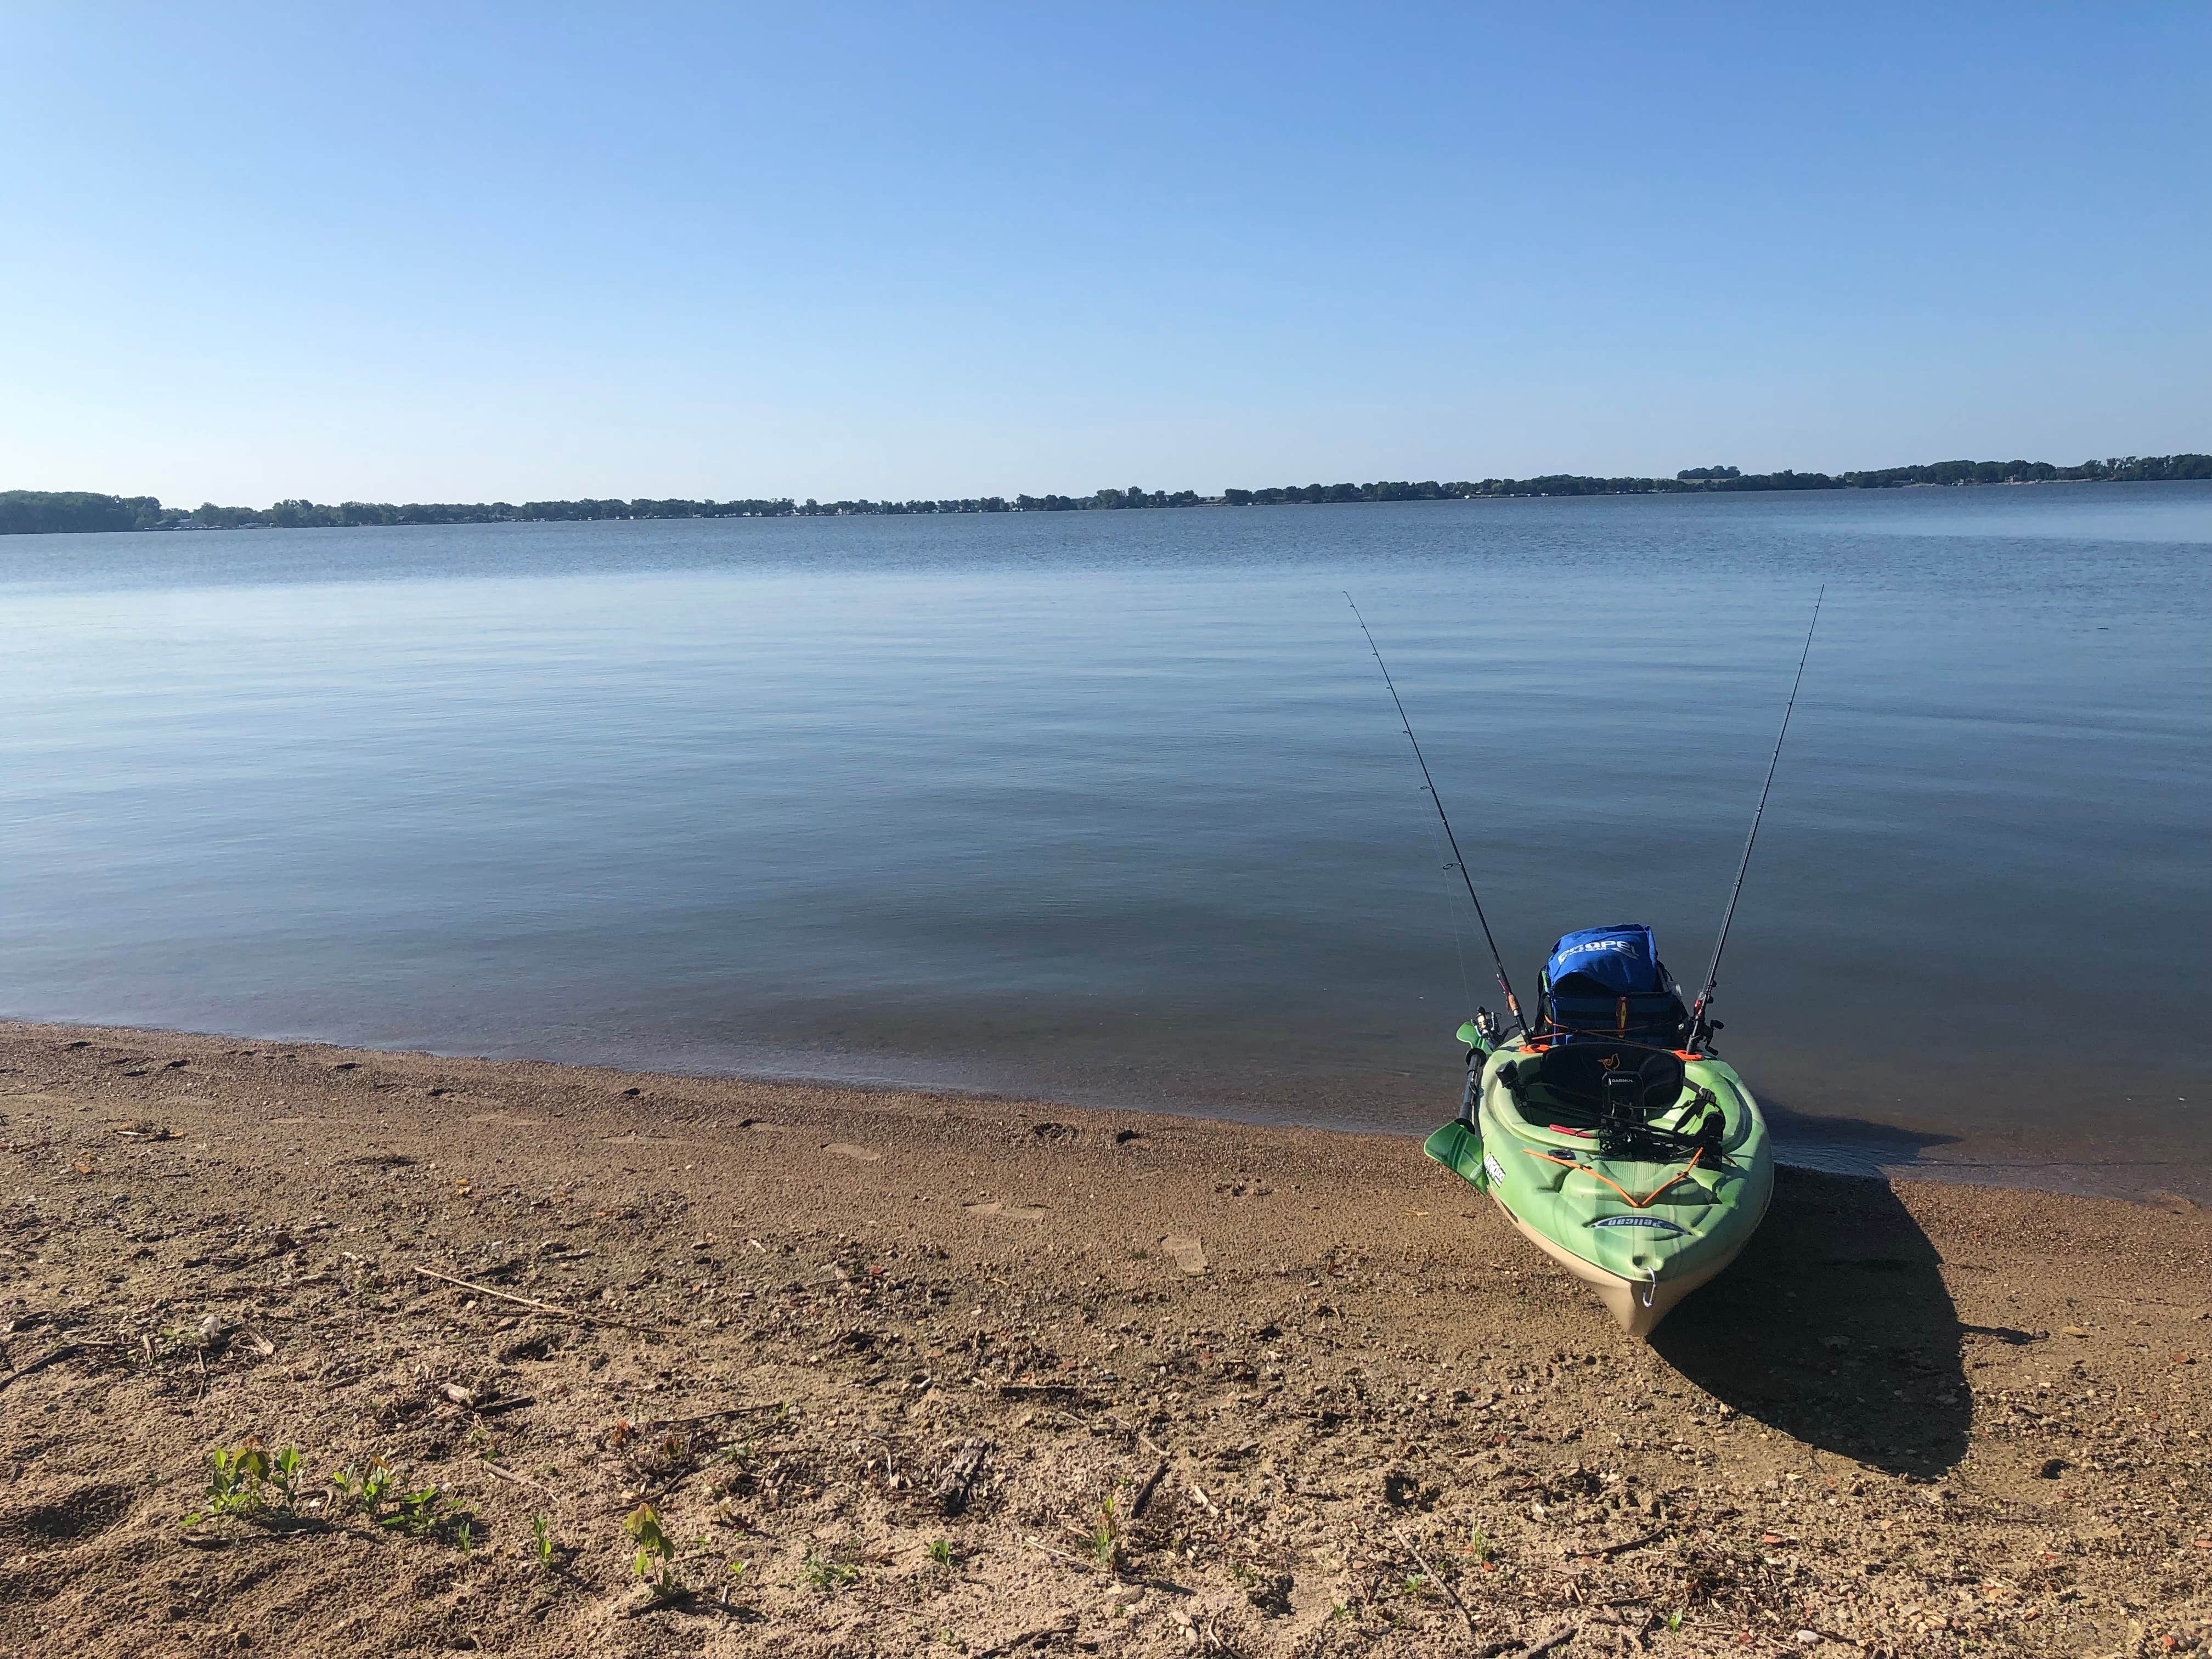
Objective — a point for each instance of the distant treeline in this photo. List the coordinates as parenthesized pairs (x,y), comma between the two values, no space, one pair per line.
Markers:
(24,512)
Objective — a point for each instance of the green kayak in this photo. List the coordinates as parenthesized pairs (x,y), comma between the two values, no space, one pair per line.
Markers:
(1604,1123)
(1642,1171)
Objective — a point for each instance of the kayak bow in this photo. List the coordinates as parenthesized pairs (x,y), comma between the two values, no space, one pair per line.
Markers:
(1641,1222)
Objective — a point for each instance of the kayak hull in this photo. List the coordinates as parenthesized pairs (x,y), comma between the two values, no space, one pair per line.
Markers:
(1642,1234)
(1637,1308)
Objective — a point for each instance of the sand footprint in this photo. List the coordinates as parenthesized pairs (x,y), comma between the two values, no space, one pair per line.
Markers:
(1008,1212)
(860,1154)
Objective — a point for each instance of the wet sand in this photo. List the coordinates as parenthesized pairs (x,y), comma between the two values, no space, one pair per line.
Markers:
(957,1375)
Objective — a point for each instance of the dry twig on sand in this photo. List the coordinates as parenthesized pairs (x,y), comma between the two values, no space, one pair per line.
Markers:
(1436,1578)
(715,1416)
(956,1486)
(1558,1638)
(1037,1637)
(1610,1550)
(1145,1492)
(521,1480)
(52,1355)
(557,1312)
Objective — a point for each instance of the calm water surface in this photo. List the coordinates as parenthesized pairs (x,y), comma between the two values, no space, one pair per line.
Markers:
(1111,808)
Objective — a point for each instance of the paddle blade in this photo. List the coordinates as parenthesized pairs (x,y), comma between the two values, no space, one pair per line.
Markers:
(1458,1147)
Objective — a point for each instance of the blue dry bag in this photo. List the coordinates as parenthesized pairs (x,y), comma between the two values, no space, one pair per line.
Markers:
(1609,982)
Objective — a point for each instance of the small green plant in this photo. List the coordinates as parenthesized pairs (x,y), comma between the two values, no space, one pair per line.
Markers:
(284,1475)
(740,1456)
(1674,1620)
(363,1491)
(941,1551)
(1105,1540)
(824,1573)
(246,1479)
(1416,1583)
(541,1540)
(1478,1544)
(417,1512)
(231,1490)
(656,1552)
(430,1514)
(425,1513)
(735,1470)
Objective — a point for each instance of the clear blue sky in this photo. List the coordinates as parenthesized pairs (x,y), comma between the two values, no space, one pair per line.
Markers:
(475,252)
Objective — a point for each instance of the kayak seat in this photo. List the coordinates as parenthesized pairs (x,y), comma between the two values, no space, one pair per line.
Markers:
(1567,1083)
(1593,1010)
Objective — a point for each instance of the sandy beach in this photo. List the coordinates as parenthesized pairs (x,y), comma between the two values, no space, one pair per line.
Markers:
(877,1373)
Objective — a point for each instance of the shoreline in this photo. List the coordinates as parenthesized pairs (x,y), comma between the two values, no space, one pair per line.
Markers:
(1853,1154)
(897,1350)
(69,512)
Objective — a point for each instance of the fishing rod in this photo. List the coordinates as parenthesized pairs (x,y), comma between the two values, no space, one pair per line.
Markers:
(1429,785)
(1700,1032)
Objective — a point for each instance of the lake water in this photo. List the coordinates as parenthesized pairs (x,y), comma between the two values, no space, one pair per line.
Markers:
(1111,808)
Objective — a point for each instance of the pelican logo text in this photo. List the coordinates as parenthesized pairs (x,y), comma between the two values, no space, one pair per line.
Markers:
(1650,1221)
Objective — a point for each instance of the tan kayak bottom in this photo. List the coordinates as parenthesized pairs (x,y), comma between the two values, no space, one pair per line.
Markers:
(1638,1307)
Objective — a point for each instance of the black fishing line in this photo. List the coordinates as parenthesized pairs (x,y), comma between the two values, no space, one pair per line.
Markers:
(1428,786)
(1697,1029)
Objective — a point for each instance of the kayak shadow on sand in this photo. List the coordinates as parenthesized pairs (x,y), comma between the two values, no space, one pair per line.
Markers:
(1835,1327)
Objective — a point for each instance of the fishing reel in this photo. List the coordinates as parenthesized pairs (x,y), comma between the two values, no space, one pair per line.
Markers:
(1487,1037)
(1486,1028)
